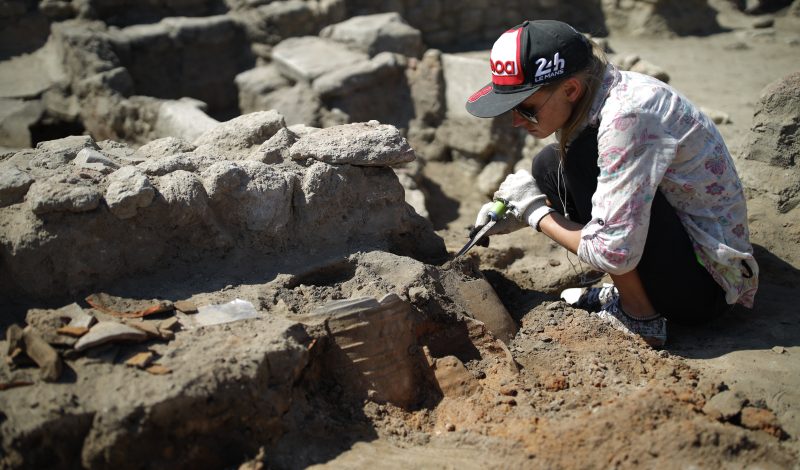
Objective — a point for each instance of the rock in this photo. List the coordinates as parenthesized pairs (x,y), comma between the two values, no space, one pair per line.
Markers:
(373,34)
(277,148)
(14,184)
(15,338)
(94,160)
(182,120)
(298,104)
(186,306)
(462,76)
(165,165)
(724,406)
(256,83)
(185,196)
(634,63)
(306,58)
(453,378)
(223,178)
(57,195)
(73,331)
(233,139)
(426,81)
(481,303)
(164,147)
(42,354)
(119,152)
(775,134)
(355,77)
(493,174)
(68,146)
(128,190)
(109,331)
(16,118)
(252,194)
(365,144)
(718,117)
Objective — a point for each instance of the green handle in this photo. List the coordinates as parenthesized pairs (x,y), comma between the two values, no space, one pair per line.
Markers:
(498,210)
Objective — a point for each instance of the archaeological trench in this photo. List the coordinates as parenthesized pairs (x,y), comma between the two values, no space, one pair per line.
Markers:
(220,248)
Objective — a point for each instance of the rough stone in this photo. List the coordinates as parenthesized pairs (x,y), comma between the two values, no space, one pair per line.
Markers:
(276,149)
(775,134)
(164,147)
(68,146)
(182,119)
(493,174)
(481,302)
(724,406)
(128,190)
(635,63)
(373,34)
(16,118)
(298,104)
(159,166)
(43,355)
(306,58)
(366,144)
(14,184)
(185,196)
(453,378)
(231,138)
(58,195)
(253,84)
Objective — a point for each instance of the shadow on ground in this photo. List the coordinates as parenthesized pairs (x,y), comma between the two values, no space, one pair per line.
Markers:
(774,320)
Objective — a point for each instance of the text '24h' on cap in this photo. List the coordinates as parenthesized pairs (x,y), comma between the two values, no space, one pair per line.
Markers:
(525,58)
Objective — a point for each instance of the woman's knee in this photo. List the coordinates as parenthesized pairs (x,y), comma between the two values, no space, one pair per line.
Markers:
(545,163)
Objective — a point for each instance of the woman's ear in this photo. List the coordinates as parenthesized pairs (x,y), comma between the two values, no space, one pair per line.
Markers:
(573,89)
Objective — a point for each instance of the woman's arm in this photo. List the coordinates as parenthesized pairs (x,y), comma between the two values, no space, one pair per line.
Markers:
(561,230)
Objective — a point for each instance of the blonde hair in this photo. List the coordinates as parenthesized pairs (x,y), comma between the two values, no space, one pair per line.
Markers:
(590,77)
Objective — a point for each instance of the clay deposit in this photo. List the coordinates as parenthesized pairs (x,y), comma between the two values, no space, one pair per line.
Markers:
(227,228)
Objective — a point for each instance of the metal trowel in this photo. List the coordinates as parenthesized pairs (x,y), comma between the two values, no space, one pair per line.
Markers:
(497,213)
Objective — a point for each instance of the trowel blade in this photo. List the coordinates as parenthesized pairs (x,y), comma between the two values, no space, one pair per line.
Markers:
(476,238)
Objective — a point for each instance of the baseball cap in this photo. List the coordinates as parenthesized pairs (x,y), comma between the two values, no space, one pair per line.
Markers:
(524,59)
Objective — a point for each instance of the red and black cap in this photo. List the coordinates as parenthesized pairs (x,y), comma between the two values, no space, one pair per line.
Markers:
(525,58)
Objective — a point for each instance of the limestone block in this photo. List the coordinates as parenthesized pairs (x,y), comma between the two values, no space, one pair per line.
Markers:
(255,83)
(463,76)
(364,144)
(128,190)
(183,120)
(373,34)
(308,57)
(16,118)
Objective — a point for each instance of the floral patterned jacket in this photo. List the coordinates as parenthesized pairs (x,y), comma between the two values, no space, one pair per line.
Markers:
(650,137)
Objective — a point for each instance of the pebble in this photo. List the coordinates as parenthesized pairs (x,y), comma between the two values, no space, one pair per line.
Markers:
(779,349)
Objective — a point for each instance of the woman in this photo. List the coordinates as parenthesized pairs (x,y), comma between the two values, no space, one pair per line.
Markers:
(640,185)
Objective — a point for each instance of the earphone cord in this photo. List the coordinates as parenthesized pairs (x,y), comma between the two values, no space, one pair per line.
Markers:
(582,278)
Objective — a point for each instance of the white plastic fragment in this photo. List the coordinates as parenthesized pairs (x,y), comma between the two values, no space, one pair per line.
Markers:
(216,314)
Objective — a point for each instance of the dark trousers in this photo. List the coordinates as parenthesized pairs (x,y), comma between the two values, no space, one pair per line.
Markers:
(679,287)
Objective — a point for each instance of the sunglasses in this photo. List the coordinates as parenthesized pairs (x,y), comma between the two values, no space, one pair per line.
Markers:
(529,114)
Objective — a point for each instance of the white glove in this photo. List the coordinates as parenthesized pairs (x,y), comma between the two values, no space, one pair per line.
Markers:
(504,225)
(526,201)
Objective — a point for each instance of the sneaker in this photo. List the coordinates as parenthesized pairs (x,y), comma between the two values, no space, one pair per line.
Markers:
(653,332)
(590,298)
